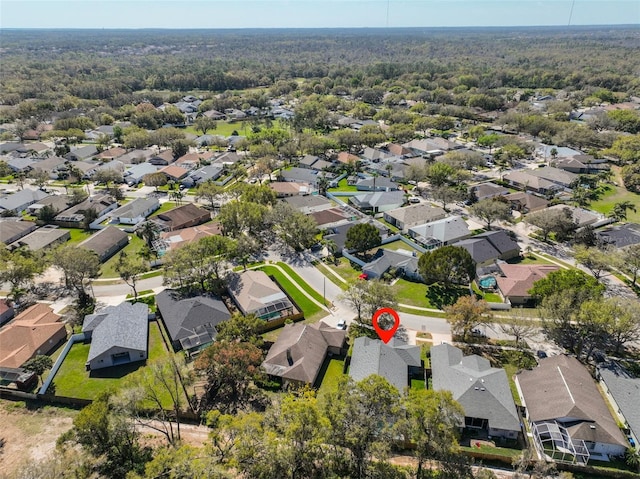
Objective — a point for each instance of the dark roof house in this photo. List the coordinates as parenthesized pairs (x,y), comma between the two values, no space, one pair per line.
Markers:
(182,217)
(106,242)
(482,391)
(190,321)
(299,352)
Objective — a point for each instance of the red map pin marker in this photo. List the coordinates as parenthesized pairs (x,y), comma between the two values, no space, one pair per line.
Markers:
(386,334)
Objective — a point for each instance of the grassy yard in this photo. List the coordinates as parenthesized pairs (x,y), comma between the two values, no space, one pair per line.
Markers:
(498,451)
(487,296)
(330,373)
(169,205)
(73,380)
(316,295)
(529,259)
(77,235)
(343,186)
(617,194)
(132,249)
(414,294)
(396,245)
(345,270)
(308,307)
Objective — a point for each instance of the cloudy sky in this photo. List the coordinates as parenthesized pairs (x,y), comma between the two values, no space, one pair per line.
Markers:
(312,13)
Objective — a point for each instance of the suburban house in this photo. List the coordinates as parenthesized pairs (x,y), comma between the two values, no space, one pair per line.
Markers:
(118,335)
(314,163)
(379,201)
(190,321)
(379,183)
(255,293)
(515,280)
(403,261)
(309,203)
(134,175)
(113,165)
(488,190)
(35,331)
(106,242)
(42,238)
(480,249)
(347,158)
(135,211)
(202,175)
(284,189)
(331,217)
(304,175)
(441,232)
(526,202)
(526,181)
(298,354)
(82,153)
(181,217)
(74,216)
(20,200)
(374,155)
(134,157)
(396,361)
(338,234)
(618,236)
(581,216)
(169,240)
(399,150)
(506,246)
(12,230)
(163,158)
(622,391)
(191,161)
(52,166)
(569,419)
(174,173)
(6,312)
(414,215)
(57,202)
(482,391)
(555,175)
(111,153)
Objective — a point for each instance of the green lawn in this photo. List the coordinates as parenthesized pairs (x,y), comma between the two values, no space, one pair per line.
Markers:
(132,249)
(73,380)
(414,294)
(330,374)
(315,294)
(345,270)
(169,205)
(398,244)
(617,194)
(487,296)
(77,235)
(308,308)
(498,451)
(531,258)
(343,186)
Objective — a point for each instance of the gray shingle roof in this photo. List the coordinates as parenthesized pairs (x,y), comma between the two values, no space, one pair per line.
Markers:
(445,230)
(625,390)
(417,214)
(481,390)
(391,360)
(191,321)
(378,199)
(135,208)
(125,325)
(500,240)
(26,196)
(480,249)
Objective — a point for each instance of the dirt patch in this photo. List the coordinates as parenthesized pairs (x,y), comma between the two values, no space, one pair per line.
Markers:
(29,435)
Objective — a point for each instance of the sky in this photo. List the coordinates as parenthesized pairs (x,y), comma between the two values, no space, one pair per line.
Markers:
(313,13)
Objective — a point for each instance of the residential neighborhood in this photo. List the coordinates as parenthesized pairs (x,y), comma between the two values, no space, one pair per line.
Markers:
(213,265)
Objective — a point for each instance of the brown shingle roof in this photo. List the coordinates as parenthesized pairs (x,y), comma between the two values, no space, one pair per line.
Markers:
(174,172)
(559,388)
(519,278)
(183,215)
(34,331)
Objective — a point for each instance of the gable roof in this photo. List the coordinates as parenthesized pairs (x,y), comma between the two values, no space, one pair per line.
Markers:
(625,390)
(125,325)
(417,214)
(97,202)
(489,190)
(385,259)
(177,238)
(482,391)
(562,388)
(191,321)
(500,240)
(11,231)
(308,203)
(29,333)
(135,208)
(42,238)
(184,214)
(300,350)
(391,360)
(555,175)
(174,172)
(20,198)
(444,230)
(105,239)
(330,216)
(480,249)
(621,236)
(378,199)
(527,200)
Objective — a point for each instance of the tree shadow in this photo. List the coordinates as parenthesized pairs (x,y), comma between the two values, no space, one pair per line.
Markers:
(440,296)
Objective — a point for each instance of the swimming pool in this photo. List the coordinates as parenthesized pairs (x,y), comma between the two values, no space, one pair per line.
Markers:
(487,282)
